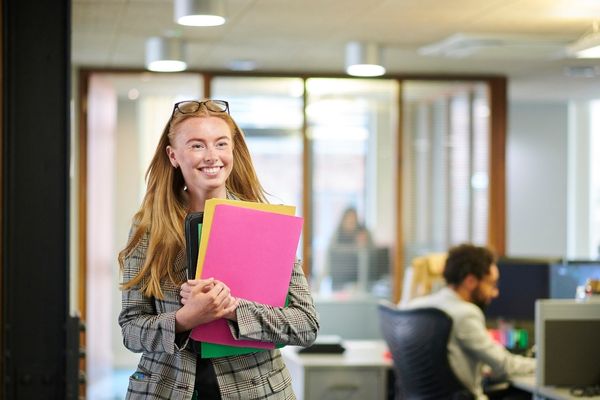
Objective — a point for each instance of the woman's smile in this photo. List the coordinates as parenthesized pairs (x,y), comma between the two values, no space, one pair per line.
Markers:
(211,171)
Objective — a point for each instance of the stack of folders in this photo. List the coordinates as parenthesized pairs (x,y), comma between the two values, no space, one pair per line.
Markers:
(251,247)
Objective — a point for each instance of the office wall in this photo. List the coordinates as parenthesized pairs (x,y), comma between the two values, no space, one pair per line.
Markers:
(536,166)
(581,191)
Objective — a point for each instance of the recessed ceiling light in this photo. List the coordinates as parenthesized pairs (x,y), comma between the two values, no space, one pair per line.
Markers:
(363,59)
(165,54)
(200,12)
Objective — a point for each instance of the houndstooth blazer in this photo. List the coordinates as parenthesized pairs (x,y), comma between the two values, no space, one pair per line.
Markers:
(167,366)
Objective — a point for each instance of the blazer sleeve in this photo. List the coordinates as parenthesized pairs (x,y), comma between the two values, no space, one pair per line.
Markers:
(296,324)
(473,336)
(143,326)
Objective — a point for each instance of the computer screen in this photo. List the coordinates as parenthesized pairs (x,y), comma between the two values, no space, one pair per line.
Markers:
(568,348)
(565,277)
(343,266)
(357,266)
(522,282)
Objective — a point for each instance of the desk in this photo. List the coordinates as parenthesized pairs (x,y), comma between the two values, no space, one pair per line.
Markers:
(527,383)
(361,372)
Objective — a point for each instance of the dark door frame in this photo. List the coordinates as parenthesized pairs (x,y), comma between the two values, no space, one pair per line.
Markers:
(35,199)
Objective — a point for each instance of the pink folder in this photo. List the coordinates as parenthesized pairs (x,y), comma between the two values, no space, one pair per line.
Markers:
(253,252)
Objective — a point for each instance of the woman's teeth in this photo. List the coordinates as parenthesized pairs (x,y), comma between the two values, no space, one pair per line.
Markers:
(211,170)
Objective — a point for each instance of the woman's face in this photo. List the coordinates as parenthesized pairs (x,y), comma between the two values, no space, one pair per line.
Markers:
(203,148)
(350,221)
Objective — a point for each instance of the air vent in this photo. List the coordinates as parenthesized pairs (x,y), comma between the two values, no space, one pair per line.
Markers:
(462,45)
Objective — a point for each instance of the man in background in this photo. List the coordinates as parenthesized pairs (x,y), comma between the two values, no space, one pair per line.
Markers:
(471,277)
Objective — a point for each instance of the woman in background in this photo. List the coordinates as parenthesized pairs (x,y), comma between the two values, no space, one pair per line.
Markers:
(350,231)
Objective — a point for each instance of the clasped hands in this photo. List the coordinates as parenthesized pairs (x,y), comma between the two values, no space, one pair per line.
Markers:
(204,300)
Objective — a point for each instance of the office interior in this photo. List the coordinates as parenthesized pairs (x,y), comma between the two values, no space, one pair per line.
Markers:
(496,146)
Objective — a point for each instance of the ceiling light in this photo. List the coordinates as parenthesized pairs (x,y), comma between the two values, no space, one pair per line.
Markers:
(200,12)
(363,59)
(165,54)
(587,46)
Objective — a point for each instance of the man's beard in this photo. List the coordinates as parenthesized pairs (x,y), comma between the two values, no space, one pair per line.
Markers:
(479,300)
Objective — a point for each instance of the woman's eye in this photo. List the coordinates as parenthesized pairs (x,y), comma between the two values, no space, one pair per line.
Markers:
(222,144)
(197,146)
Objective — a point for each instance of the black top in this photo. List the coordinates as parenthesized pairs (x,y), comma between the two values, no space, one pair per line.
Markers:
(206,386)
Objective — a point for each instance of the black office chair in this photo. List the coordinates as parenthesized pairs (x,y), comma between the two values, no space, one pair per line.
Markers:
(418,340)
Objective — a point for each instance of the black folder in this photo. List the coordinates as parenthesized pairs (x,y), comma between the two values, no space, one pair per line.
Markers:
(325,344)
(192,241)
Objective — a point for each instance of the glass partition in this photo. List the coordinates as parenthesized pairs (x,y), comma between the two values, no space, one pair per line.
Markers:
(445,165)
(352,125)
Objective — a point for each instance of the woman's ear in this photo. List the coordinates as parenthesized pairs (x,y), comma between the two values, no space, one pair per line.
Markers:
(172,157)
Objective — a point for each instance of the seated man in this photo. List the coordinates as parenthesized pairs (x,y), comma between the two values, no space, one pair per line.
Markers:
(471,277)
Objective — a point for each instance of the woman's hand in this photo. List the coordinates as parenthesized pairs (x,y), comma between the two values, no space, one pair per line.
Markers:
(204,300)
(230,310)
(186,288)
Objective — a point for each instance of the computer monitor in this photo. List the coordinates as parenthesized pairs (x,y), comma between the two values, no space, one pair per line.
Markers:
(379,263)
(565,277)
(343,262)
(349,265)
(568,348)
(522,282)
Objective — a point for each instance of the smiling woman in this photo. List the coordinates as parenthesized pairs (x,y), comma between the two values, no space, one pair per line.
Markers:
(201,155)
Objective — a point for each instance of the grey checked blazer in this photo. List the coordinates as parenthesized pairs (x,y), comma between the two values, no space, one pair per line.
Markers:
(167,366)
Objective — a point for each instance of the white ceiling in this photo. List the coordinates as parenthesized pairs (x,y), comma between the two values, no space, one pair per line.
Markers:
(523,39)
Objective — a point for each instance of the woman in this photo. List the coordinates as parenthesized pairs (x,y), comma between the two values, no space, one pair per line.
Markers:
(350,231)
(201,154)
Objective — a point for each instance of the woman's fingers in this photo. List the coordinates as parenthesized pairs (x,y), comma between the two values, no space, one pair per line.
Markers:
(220,293)
(185,292)
(232,304)
(211,299)
(229,311)
(193,286)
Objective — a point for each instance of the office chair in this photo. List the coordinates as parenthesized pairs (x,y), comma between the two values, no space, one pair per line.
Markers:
(427,273)
(418,341)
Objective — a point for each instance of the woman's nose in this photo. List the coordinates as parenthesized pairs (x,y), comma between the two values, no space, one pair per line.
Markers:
(210,154)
